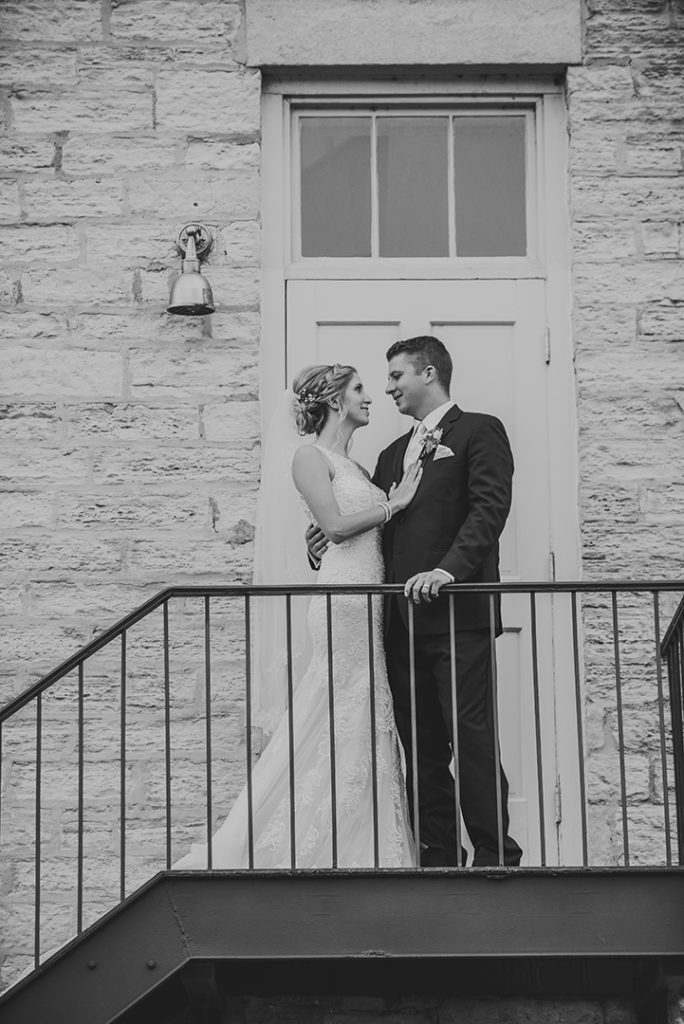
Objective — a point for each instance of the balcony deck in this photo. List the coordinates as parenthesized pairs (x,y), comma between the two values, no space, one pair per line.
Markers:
(470,931)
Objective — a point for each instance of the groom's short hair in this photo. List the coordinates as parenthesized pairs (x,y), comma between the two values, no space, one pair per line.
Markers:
(423,351)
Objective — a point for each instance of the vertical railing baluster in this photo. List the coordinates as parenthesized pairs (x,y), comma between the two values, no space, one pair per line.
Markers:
(373,735)
(580,730)
(495,724)
(207,725)
(678,656)
(414,731)
(1,779)
(81,778)
(331,715)
(675,681)
(290,733)
(661,723)
(38,839)
(167,733)
(122,768)
(248,736)
(621,731)
(537,727)
(454,729)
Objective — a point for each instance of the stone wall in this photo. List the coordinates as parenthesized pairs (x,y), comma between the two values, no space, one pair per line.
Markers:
(129,438)
(627,197)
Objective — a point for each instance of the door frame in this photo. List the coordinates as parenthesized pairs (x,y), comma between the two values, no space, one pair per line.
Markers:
(552,263)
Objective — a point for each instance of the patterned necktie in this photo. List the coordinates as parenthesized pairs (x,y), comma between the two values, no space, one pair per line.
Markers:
(414,445)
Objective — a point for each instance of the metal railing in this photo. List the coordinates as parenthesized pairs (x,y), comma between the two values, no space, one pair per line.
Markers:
(112,764)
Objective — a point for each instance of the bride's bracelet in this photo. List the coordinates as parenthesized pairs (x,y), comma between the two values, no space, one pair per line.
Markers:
(387,509)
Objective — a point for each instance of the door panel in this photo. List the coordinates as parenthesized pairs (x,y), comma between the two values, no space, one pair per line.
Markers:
(494,331)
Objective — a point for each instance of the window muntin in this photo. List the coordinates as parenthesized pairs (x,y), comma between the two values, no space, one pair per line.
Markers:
(413,183)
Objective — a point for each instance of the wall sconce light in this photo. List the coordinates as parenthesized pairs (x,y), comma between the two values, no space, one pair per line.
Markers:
(190,292)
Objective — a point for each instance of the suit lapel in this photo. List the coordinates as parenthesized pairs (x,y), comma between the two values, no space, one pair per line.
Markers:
(450,417)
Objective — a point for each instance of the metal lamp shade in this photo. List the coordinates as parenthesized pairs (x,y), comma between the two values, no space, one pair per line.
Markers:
(191,293)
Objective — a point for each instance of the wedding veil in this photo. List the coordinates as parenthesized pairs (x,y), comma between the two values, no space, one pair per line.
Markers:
(279,558)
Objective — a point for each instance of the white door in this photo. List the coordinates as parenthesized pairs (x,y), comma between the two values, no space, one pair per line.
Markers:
(495,333)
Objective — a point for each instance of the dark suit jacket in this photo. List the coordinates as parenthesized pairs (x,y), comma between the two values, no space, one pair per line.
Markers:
(455,520)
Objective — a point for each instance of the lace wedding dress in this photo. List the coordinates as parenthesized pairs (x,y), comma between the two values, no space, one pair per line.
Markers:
(358,560)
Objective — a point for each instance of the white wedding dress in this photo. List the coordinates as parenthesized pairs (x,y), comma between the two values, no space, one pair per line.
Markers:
(358,560)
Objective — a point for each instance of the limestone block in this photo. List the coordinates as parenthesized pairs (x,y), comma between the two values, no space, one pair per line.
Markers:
(232,422)
(184,20)
(33,371)
(65,21)
(663,322)
(233,508)
(642,282)
(103,603)
(37,67)
(88,154)
(25,508)
(236,327)
(601,241)
(26,152)
(665,506)
(118,422)
(121,511)
(193,372)
(235,287)
(208,101)
(660,238)
(240,244)
(595,149)
(57,243)
(21,464)
(216,559)
(99,329)
(109,107)
(608,83)
(27,325)
(222,154)
(653,158)
(57,553)
(343,32)
(173,464)
(652,198)
(607,324)
(131,245)
(193,196)
(57,199)
(10,209)
(43,646)
(75,286)
(133,67)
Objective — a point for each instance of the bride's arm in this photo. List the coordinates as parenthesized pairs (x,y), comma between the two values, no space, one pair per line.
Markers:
(311,475)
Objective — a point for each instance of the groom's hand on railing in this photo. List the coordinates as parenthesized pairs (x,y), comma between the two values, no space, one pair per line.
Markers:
(316,545)
(425,586)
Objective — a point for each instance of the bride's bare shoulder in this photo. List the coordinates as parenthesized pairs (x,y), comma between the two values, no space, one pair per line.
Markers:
(309,458)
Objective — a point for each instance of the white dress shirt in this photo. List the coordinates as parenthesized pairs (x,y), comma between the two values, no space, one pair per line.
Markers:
(414,446)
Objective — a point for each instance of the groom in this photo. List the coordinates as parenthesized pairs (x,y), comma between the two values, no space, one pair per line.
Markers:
(449,533)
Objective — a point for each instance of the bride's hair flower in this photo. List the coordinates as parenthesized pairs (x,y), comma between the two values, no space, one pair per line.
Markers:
(313,388)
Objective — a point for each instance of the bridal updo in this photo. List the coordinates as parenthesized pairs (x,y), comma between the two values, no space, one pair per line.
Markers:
(314,388)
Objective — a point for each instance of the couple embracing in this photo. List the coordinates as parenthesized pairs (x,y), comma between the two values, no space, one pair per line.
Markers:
(432,514)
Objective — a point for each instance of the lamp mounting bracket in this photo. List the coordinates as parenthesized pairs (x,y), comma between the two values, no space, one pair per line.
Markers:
(202,236)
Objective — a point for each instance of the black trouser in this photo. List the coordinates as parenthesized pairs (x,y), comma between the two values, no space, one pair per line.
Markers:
(476,742)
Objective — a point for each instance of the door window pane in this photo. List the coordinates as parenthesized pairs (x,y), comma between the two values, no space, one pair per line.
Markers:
(413,174)
(336,186)
(489,184)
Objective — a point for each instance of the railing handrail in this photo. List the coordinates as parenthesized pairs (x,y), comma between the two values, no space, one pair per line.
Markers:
(257,590)
(673,629)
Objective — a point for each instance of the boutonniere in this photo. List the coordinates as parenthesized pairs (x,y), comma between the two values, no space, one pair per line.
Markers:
(430,444)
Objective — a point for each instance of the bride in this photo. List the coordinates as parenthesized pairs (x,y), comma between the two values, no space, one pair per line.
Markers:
(326,405)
